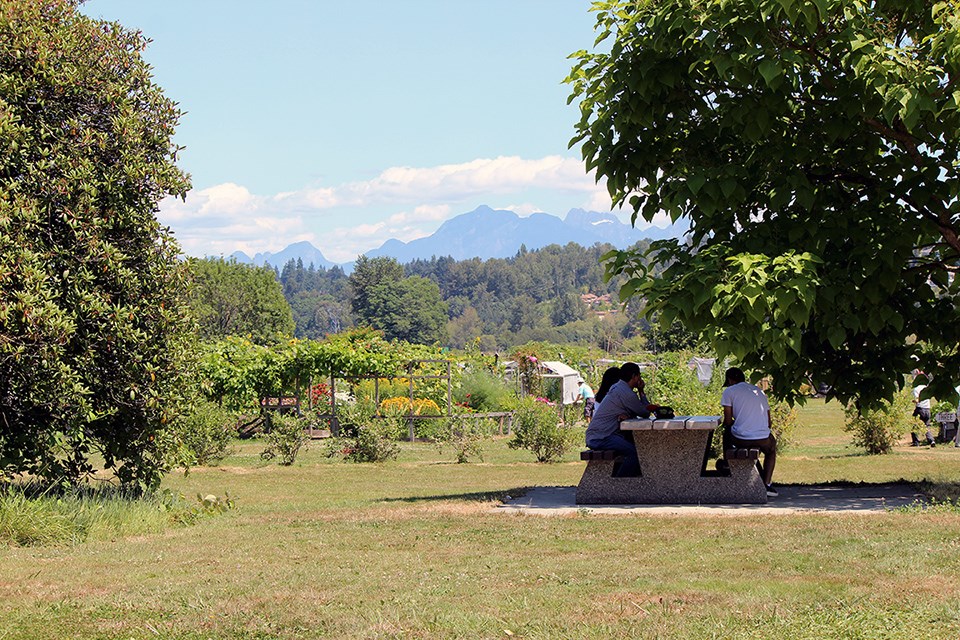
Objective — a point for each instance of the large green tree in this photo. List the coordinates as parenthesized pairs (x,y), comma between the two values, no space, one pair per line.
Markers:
(403,307)
(368,274)
(233,299)
(813,146)
(410,309)
(92,312)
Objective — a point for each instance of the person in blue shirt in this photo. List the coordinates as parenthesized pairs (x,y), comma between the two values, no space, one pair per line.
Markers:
(620,403)
(585,394)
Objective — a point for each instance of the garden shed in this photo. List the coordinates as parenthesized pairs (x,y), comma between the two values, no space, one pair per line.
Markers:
(559,379)
(566,380)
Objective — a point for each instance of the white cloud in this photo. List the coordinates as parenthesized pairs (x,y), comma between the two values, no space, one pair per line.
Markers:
(599,199)
(423,213)
(402,202)
(449,183)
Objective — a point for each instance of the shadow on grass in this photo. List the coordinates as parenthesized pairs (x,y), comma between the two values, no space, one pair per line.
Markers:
(476,496)
(841,456)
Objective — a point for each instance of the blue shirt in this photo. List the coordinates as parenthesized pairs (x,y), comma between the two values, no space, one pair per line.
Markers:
(620,400)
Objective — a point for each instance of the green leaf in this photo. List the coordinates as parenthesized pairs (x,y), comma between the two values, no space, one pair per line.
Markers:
(836,336)
(695,182)
(772,73)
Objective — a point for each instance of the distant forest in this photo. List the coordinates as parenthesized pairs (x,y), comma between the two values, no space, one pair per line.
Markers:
(554,294)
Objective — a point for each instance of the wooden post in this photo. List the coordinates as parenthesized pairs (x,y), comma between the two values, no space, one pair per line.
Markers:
(413,433)
(334,424)
(449,392)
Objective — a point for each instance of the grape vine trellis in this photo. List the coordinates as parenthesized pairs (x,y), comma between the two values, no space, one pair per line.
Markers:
(238,373)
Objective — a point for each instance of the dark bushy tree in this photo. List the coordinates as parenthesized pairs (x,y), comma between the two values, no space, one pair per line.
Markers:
(404,308)
(92,312)
(814,146)
(233,299)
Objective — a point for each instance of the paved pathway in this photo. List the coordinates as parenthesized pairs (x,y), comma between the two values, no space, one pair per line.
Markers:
(850,498)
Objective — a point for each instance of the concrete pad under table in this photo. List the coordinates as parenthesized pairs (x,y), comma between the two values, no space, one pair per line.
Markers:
(673,459)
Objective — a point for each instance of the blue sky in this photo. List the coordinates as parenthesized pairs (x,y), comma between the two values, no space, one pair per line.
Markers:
(349,123)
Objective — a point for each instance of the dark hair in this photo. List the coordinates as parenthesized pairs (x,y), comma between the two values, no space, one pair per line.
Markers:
(610,377)
(628,370)
(735,375)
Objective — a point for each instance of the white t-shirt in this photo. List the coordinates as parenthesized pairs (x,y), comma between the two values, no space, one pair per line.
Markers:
(750,410)
(921,404)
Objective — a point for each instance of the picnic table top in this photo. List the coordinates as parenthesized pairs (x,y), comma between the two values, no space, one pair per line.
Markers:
(675,423)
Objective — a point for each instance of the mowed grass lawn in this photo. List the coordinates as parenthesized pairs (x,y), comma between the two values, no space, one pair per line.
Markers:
(414,549)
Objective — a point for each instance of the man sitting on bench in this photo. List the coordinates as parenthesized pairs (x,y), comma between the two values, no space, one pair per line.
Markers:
(620,403)
(746,422)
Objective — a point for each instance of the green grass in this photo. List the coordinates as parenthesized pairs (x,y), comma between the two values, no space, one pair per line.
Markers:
(413,549)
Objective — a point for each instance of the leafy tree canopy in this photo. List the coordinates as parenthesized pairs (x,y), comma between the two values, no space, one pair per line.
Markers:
(813,146)
(236,299)
(404,308)
(93,325)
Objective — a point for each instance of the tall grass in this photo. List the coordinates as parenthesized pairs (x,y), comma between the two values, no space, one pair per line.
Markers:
(31,515)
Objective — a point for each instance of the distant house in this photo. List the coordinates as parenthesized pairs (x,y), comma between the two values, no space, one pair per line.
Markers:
(598,306)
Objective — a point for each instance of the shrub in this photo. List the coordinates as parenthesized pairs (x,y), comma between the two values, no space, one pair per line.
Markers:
(674,384)
(783,420)
(285,438)
(878,430)
(95,337)
(206,432)
(528,370)
(364,438)
(571,414)
(537,428)
(465,435)
(483,391)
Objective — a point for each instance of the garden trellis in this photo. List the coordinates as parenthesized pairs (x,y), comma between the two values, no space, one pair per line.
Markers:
(239,374)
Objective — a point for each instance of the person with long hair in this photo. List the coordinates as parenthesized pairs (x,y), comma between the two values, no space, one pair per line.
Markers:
(610,377)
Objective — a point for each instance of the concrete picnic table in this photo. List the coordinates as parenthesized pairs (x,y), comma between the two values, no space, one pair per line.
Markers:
(673,467)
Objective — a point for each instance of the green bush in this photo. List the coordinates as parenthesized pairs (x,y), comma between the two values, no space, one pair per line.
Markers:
(483,391)
(537,428)
(96,340)
(783,420)
(285,438)
(364,438)
(878,430)
(206,432)
(465,435)
(571,414)
(674,384)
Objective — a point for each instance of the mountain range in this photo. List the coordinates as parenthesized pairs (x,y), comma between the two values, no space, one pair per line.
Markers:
(488,233)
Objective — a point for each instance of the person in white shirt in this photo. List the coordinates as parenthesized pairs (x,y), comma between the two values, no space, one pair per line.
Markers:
(922,411)
(746,422)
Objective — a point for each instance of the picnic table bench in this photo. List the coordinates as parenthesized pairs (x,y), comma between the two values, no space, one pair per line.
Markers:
(673,457)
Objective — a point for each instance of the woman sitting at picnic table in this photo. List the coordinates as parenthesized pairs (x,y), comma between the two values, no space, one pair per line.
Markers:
(610,377)
(620,403)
